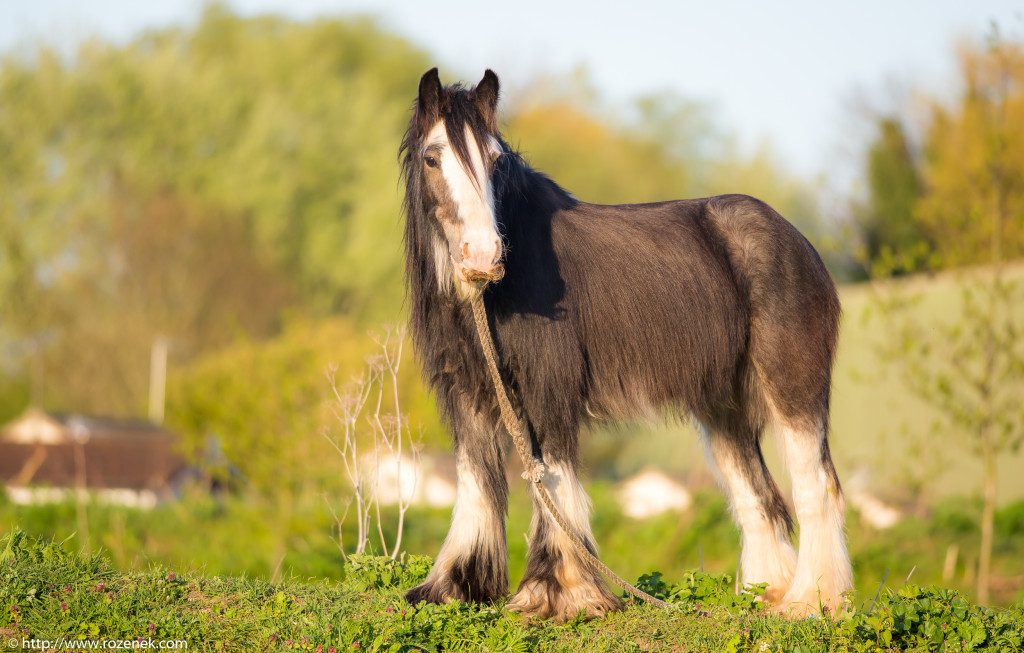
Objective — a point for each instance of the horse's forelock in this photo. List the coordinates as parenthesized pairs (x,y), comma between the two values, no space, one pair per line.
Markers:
(461,114)
(458,110)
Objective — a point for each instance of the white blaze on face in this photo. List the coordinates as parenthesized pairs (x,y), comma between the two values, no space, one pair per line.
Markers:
(479,246)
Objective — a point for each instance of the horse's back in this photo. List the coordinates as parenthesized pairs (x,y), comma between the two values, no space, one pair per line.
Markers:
(669,299)
(655,304)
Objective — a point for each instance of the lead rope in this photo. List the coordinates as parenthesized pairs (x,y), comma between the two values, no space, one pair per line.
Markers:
(534,468)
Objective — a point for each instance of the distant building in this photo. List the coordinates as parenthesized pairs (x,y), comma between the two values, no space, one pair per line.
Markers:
(429,480)
(874,512)
(651,493)
(46,457)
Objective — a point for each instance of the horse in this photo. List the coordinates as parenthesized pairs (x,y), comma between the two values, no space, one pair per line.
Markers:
(715,308)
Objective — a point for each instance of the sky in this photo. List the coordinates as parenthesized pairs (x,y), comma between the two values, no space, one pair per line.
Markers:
(782,72)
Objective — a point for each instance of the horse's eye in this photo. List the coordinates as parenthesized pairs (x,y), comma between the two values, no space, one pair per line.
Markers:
(430,161)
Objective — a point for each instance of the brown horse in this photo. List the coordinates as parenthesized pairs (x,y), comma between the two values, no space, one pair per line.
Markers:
(717,307)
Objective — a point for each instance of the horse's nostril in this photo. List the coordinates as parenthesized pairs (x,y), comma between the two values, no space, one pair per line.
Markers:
(465,250)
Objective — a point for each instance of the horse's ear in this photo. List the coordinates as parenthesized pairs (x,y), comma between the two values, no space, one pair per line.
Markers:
(487,99)
(428,104)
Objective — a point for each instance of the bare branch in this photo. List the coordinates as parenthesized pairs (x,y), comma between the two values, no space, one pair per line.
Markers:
(389,433)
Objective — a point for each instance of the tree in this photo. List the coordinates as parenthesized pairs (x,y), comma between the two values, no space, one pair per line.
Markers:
(886,219)
(594,154)
(969,362)
(975,208)
(163,267)
(193,183)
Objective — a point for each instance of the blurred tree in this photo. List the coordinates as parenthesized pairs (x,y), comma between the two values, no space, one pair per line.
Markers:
(893,236)
(191,184)
(593,159)
(289,127)
(268,403)
(159,267)
(970,363)
(974,167)
(167,269)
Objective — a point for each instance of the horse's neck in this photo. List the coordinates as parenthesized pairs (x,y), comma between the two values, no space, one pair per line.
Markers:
(528,193)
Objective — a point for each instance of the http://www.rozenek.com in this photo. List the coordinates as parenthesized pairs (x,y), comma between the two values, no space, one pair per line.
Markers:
(62,644)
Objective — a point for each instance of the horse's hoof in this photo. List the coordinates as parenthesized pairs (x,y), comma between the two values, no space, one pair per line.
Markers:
(773,596)
(809,605)
(539,599)
(439,591)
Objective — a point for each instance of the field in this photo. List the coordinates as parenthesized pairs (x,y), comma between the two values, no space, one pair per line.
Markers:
(240,566)
(874,415)
(263,540)
(49,594)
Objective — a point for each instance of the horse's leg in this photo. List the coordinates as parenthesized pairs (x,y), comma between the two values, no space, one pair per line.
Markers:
(558,583)
(734,453)
(794,359)
(793,333)
(823,572)
(473,562)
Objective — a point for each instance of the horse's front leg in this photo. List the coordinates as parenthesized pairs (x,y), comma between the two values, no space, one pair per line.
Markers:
(473,562)
(559,582)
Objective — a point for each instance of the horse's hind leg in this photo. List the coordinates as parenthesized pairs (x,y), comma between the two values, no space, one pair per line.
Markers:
(794,359)
(793,333)
(823,572)
(558,583)
(795,377)
(473,562)
(768,556)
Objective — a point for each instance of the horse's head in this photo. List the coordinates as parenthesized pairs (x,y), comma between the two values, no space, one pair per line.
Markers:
(450,151)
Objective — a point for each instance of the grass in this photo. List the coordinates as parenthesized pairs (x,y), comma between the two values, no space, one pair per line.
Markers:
(234,536)
(46,592)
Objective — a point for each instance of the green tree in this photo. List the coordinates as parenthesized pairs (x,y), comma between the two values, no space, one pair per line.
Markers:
(893,236)
(267,403)
(193,183)
(969,363)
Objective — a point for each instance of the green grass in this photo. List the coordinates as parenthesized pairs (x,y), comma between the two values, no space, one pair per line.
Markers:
(46,593)
(236,536)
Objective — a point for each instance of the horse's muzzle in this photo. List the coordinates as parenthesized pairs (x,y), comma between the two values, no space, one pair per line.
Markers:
(480,278)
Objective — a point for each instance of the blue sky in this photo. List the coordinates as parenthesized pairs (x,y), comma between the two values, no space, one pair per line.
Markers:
(784,72)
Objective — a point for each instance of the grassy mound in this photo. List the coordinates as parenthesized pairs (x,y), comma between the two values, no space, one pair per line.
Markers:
(47,592)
